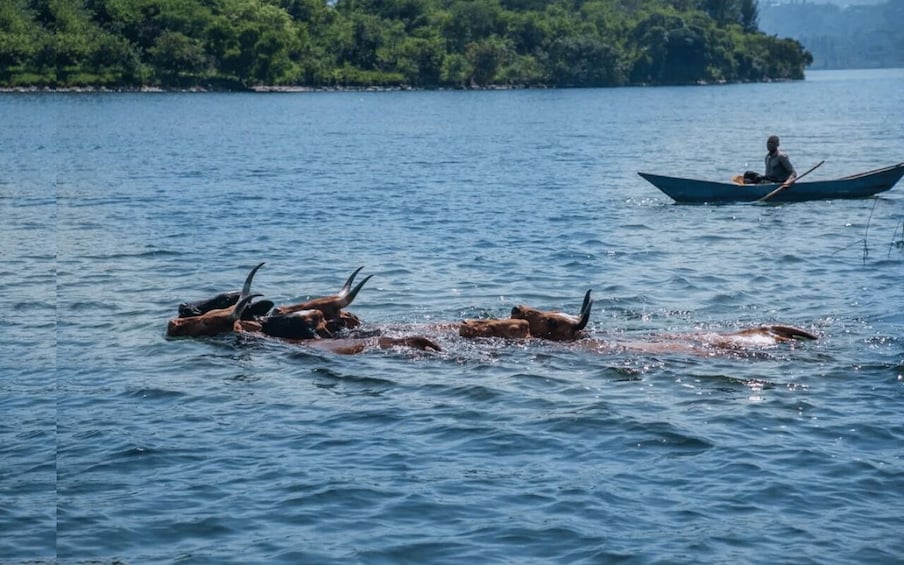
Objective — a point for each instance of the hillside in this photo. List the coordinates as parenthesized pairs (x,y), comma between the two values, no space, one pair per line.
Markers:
(862,36)
(239,44)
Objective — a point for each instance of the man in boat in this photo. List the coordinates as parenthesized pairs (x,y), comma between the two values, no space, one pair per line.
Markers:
(778,166)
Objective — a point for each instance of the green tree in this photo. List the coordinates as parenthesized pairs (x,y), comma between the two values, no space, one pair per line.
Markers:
(486,57)
(470,21)
(750,14)
(424,43)
(21,39)
(420,61)
(456,71)
(180,60)
(252,43)
(585,60)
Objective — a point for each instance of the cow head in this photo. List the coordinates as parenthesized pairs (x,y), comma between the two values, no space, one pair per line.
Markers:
(303,324)
(554,326)
(217,320)
(225,300)
(306,324)
(218,302)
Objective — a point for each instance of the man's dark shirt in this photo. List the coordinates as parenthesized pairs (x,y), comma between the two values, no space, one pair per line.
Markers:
(778,167)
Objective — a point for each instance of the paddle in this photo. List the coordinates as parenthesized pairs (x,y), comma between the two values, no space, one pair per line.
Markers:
(789,182)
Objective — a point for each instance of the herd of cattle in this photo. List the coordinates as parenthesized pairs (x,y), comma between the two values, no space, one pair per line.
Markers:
(324,323)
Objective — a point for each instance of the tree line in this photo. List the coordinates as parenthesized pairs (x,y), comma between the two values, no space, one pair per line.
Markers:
(239,44)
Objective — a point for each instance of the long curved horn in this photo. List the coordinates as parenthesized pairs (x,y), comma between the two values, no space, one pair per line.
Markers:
(585,311)
(345,296)
(348,283)
(246,290)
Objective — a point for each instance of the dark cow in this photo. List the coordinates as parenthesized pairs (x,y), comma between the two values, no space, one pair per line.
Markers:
(218,302)
(303,324)
(225,300)
(214,321)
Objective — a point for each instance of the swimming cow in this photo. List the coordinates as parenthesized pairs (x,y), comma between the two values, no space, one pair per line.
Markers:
(213,318)
(526,322)
(321,323)
(306,323)
(740,342)
(331,306)
(319,317)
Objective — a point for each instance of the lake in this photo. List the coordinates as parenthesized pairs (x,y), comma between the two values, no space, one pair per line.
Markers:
(119,445)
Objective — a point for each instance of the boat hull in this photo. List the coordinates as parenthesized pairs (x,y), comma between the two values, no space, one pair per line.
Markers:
(855,186)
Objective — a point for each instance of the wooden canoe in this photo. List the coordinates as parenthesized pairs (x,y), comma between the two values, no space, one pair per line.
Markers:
(854,186)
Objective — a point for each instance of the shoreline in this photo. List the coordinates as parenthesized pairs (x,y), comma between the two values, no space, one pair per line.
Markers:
(253,89)
(313,89)
(267,89)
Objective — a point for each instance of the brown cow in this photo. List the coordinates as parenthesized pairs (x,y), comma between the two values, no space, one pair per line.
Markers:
(319,317)
(508,328)
(216,321)
(529,322)
(740,342)
(331,306)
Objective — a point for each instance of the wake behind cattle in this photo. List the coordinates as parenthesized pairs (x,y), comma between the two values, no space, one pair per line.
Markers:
(324,323)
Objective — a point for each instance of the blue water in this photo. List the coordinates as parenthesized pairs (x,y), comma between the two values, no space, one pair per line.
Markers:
(117,444)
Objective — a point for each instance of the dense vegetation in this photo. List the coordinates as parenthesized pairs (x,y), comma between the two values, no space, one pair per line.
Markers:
(388,43)
(850,37)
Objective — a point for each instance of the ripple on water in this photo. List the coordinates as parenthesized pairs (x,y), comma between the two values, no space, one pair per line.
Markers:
(119,444)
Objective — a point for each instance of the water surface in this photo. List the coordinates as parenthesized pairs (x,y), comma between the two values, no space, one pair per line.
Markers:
(119,444)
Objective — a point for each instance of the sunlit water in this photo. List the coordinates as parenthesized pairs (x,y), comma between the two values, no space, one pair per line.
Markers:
(119,444)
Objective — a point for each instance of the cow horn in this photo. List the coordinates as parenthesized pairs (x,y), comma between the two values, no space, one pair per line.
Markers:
(242,304)
(585,311)
(348,283)
(246,290)
(346,296)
